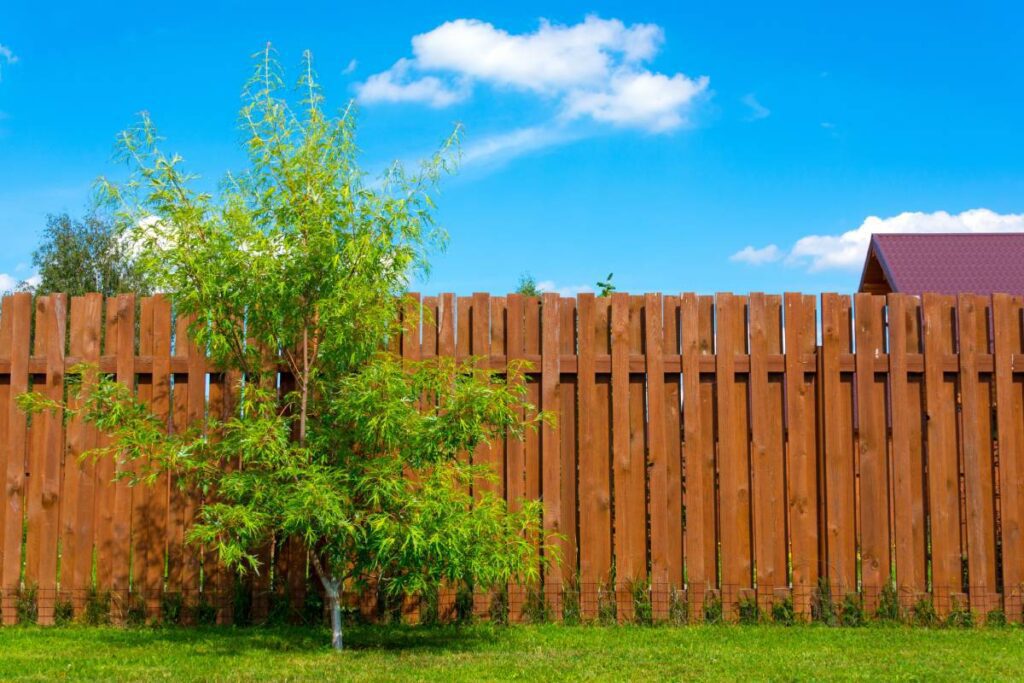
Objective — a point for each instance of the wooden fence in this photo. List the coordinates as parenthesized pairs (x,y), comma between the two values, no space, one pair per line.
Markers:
(708,448)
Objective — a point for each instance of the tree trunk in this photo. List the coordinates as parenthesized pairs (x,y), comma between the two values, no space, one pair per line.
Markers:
(331,588)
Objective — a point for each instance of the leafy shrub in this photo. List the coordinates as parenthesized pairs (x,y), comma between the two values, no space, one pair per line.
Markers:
(204,612)
(464,604)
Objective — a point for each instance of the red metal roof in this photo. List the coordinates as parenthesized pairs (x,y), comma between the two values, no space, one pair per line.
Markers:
(951,263)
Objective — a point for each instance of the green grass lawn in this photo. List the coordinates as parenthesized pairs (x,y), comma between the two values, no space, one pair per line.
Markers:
(523,652)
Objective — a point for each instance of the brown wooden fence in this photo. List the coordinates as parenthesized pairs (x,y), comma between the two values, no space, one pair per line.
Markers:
(707,448)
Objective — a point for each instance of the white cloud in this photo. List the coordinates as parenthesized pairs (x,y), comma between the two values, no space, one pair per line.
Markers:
(350,67)
(847,250)
(564,290)
(593,69)
(10,283)
(508,145)
(757,257)
(7,56)
(395,85)
(757,110)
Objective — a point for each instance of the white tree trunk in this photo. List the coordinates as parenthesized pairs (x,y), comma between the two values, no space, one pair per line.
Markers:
(331,588)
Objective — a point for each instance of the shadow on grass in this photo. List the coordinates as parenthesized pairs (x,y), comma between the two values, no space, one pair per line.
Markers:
(227,640)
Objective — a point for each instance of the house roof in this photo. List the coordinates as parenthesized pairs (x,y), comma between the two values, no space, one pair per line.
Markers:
(946,263)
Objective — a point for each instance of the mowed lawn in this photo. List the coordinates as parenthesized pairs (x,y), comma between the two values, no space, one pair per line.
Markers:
(521,652)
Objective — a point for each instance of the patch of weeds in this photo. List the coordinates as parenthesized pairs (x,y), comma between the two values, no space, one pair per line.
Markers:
(97,607)
(63,611)
(640,593)
(313,608)
(26,606)
(960,616)
(749,612)
(607,606)
(678,608)
(497,611)
(536,609)
(571,613)
(204,611)
(823,609)
(923,613)
(996,618)
(171,609)
(279,608)
(136,613)
(241,603)
(888,604)
(464,604)
(783,612)
(713,609)
(853,610)
(430,610)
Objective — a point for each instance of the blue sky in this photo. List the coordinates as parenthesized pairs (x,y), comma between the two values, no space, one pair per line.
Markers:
(685,147)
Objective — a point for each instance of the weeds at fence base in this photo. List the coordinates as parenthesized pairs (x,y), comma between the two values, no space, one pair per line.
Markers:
(97,607)
(747,609)
(959,615)
(63,611)
(783,612)
(171,609)
(26,607)
(853,610)
(640,594)
(823,609)
(996,618)
(713,608)
(571,612)
(923,613)
(536,609)
(888,604)
(497,610)
(607,606)
(678,608)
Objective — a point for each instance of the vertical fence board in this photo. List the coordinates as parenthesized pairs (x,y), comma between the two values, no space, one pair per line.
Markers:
(673,451)
(733,452)
(976,447)
(802,489)
(767,450)
(624,560)
(568,438)
(657,456)
(1010,425)
(838,455)
(78,494)
(551,458)
(943,478)
(874,486)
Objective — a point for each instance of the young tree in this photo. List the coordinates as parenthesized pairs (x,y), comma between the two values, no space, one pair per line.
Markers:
(300,258)
(527,285)
(89,255)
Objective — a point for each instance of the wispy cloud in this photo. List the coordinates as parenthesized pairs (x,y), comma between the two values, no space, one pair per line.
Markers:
(846,251)
(757,110)
(594,69)
(502,147)
(563,290)
(9,283)
(7,56)
(350,67)
(756,257)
